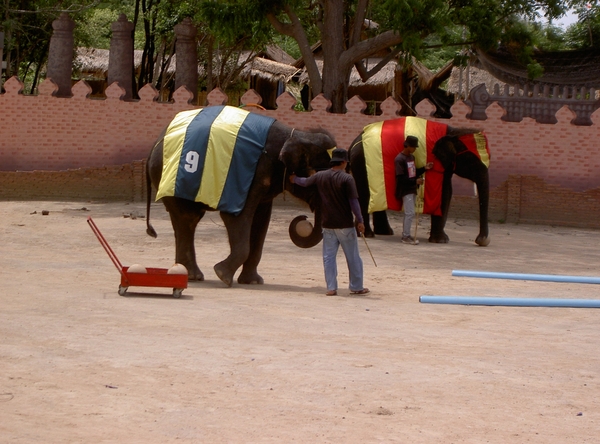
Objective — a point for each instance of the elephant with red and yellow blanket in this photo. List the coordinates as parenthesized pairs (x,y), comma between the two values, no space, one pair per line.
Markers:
(460,151)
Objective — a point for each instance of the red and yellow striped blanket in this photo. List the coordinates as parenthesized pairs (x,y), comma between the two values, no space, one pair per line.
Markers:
(383,141)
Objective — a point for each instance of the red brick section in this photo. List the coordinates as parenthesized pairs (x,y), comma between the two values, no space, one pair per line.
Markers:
(82,148)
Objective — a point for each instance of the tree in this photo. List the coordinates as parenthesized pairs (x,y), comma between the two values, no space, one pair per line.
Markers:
(222,52)
(27,25)
(585,34)
(403,27)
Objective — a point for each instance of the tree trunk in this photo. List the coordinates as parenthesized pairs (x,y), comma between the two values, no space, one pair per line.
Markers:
(209,65)
(335,75)
(403,93)
(339,52)
(336,90)
(38,69)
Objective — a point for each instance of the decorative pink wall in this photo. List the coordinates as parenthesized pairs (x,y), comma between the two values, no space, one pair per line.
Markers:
(54,134)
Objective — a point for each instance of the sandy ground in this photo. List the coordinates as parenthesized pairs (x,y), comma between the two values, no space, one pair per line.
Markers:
(281,362)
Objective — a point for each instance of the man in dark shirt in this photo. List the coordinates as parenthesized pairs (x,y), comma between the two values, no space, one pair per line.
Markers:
(408,178)
(339,201)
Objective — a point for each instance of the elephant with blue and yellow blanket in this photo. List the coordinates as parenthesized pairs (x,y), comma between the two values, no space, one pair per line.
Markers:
(226,159)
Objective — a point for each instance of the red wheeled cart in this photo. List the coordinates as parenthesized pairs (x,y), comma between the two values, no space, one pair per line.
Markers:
(154,277)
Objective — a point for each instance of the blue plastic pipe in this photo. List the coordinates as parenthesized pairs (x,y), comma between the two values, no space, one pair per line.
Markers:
(528,277)
(511,302)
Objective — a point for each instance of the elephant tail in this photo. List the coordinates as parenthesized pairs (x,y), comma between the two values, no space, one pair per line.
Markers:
(149,228)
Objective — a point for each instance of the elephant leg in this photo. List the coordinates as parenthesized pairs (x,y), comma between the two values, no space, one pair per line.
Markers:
(258,233)
(381,224)
(184,219)
(438,235)
(359,172)
(483,191)
(366,218)
(238,232)
(438,223)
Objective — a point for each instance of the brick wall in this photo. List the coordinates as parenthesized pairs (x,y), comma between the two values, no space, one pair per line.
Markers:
(531,200)
(107,183)
(80,147)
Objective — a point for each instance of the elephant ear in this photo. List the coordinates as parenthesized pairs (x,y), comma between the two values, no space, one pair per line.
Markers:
(301,155)
(445,151)
(292,154)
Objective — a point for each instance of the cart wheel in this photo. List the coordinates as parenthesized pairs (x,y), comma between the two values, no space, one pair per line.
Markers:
(177,292)
(122,290)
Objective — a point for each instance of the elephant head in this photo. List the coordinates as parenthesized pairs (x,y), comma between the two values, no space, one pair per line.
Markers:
(303,154)
(462,151)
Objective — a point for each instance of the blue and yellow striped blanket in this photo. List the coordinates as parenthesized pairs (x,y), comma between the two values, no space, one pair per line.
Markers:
(210,156)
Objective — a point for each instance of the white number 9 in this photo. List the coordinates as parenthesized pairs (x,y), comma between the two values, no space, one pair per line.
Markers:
(191,159)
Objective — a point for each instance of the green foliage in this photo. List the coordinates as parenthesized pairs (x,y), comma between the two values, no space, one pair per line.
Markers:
(93,28)
(231,22)
(438,49)
(27,25)
(549,38)
(534,70)
(585,33)
(434,31)
(288,44)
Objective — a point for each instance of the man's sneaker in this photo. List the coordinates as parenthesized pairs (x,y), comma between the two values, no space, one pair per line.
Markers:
(409,240)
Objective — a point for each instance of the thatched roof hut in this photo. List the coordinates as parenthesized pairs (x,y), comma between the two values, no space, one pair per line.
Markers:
(268,78)
(277,54)
(376,88)
(469,77)
(269,70)
(93,62)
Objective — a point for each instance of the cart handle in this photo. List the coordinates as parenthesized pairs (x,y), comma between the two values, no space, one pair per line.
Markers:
(104,243)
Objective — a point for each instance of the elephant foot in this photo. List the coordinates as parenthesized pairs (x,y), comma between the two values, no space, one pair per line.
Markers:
(439,239)
(250,278)
(482,241)
(384,231)
(224,274)
(194,273)
(368,232)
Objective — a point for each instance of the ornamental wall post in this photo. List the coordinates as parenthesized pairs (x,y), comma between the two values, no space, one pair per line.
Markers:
(1,58)
(120,59)
(186,67)
(60,55)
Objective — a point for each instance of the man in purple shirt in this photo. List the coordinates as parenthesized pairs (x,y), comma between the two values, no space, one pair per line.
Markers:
(339,207)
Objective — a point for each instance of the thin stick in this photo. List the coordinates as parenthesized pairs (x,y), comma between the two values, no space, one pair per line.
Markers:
(416,228)
(363,236)
(417,198)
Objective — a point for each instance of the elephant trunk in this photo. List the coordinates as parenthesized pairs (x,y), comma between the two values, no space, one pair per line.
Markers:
(483,191)
(299,233)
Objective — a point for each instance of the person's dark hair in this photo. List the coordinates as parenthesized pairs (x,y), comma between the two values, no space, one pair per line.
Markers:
(411,141)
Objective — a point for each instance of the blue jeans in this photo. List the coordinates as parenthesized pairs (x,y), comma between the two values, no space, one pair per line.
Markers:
(408,205)
(347,238)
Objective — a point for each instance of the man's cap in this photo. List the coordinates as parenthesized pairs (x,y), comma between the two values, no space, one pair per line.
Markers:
(339,155)
(411,141)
